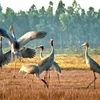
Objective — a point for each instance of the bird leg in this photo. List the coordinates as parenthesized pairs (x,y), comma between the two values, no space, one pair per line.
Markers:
(1,68)
(33,78)
(58,78)
(14,68)
(49,75)
(20,58)
(45,83)
(25,75)
(93,80)
(45,76)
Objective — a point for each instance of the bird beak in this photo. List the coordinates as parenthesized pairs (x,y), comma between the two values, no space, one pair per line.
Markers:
(83,44)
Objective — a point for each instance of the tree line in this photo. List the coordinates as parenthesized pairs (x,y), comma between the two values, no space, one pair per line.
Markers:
(68,26)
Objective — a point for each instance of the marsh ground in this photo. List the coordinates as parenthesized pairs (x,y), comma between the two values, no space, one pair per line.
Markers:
(73,82)
(72,86)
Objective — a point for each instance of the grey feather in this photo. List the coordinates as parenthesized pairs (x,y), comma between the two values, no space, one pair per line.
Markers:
(56,67)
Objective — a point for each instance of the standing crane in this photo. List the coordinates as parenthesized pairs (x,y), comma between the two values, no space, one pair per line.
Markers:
(43,65)
(54,66)
(94,66)
(47,62)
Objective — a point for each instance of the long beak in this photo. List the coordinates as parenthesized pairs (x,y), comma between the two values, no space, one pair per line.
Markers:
(83,44)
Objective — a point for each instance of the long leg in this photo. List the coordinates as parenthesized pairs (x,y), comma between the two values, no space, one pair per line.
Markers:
(1,68)
(15,67)
(58,78)
(12,59)
(49,74)
(25,75)
(45,76)
(20,58)
(45,82)
(93,80)
(33,78)
(48,80)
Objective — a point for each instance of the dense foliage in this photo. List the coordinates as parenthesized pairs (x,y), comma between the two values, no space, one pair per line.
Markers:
(68,27)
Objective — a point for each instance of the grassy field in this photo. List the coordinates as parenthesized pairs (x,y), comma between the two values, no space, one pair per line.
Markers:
(73,81)
(64,61)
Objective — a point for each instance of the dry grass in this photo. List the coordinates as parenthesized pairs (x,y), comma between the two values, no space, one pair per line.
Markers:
(51,94)
(72,87)
(64,61)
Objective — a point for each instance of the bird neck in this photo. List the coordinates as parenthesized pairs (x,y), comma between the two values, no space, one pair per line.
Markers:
(13,34)
(86,52)
(41,56)
(0,45)
(52,51)
(0,42)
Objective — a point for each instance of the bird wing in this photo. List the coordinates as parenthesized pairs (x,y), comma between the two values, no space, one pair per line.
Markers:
(56,67)
(29,69)
(43,62)
(7,58)
(7,34)
(25,53)
(23,40)
(94,65)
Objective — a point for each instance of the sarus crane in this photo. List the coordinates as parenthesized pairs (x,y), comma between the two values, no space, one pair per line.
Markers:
(54,66)
(94,66)
(19,44)
(43,65)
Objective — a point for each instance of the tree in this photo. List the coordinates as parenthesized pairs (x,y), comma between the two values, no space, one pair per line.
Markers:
(33,17)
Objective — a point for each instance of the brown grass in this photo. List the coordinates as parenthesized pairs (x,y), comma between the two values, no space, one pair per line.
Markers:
(72,82)
(51,94)
(64,61)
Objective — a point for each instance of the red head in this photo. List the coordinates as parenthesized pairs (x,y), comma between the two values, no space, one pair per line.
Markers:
(85,44)
(42,47)
(51,42)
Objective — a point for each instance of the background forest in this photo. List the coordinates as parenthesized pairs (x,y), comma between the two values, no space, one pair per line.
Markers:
(69,27)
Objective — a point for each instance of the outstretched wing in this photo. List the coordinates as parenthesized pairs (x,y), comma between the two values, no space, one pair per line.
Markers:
(23,40)
(7,34)
(25,53)
(56,67)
